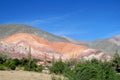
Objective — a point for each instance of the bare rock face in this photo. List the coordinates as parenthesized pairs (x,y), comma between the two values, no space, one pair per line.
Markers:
(20,45)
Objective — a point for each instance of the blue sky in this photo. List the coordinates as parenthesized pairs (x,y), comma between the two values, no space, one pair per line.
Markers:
(79,19)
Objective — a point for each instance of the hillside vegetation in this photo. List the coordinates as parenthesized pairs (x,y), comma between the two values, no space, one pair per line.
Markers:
(71,70)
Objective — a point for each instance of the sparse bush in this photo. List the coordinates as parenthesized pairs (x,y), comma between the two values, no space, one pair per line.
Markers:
(53,77)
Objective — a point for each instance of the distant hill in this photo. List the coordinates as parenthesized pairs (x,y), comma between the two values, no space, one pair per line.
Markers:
(110,45)
(10,29)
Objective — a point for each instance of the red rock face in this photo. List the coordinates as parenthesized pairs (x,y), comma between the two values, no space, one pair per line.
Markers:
(19,45)
(69,49)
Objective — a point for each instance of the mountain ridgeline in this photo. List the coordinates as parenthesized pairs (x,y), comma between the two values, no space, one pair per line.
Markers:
(10,29)
(106,45)
(110,45)
(17,39)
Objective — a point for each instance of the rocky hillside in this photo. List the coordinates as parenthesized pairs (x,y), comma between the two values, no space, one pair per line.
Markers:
(20,45)
(19,40)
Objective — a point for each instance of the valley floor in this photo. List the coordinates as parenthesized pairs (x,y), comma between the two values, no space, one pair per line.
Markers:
(23,75)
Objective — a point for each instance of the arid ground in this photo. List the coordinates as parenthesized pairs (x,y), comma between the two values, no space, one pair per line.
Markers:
(23,75)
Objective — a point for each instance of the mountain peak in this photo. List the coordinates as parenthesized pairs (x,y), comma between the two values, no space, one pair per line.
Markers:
(10,29)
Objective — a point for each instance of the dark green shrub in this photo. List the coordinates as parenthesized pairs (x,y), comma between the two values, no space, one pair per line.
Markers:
(31,66)
(1,60)
(6,63)
(26,68)
(23,61)
(94,70)
(16,62)
(11,64)
(39,68)
(2,67)
(12,67)
(58,67)
(118,77)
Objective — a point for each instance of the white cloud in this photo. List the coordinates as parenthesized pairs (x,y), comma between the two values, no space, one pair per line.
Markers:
(48,20)
(66,33)
(53,19)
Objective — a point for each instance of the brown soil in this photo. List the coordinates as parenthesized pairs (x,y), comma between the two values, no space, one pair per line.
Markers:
(23,75)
